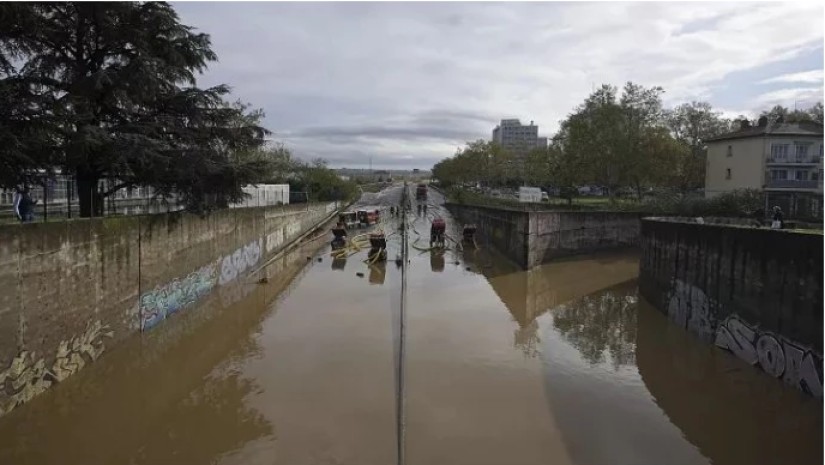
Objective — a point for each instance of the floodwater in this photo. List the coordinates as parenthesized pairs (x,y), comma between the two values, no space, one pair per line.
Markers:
(559,365)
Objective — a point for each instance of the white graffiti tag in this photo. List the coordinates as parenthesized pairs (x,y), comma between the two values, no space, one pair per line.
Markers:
(776,355)
(240,260)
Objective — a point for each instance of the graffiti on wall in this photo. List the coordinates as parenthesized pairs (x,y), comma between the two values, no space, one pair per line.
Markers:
(689,307)
(28,376)
(234,264)
(162,301)
(167,299)
(776,355)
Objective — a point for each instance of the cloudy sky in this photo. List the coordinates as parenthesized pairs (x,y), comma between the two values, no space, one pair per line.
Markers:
(407,83)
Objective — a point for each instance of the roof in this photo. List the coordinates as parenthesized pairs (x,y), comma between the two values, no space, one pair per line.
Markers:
(802,128)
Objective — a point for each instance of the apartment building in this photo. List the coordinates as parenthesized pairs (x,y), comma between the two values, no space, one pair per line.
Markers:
(518,139)
(515,137)
(782,159)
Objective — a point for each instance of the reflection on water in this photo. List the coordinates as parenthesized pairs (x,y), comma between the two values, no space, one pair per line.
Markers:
(628,387)
(170,396)
(601,326)
(731,411)
(219,405)
(527,339)
(339,264)
(378,272)
(437,261)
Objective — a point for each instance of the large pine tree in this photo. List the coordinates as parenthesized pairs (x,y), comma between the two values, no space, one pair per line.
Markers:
(108,91)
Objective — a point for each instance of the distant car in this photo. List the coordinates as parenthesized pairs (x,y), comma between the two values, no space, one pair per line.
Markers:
(545,197)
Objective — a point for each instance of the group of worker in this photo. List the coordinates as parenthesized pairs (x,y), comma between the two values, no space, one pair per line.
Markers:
(438,231)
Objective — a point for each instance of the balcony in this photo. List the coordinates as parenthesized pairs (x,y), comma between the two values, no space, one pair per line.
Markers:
(793,184)
(794,161)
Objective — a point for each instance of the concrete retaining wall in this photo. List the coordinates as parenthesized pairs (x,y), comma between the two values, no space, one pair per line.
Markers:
(70,290)
(558,234)
(531,238)
(754,292)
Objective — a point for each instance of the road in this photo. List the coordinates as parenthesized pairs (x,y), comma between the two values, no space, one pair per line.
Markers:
(562,365)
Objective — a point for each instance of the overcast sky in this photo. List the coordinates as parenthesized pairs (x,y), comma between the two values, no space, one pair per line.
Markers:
(408,83)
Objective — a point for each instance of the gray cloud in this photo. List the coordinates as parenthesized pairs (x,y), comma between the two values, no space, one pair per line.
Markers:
(409,82)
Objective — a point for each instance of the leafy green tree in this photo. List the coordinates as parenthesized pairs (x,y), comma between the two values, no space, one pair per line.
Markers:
(109,91)
(692,124)
(322,183)
(595,137)
(538,167)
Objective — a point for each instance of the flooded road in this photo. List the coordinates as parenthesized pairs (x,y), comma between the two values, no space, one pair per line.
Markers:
(559,365)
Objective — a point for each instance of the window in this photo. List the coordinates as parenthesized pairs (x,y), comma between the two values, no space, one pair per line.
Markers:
(801,175)
(779,175)
(730,150)
(727,173)
(779,152)
(801,151)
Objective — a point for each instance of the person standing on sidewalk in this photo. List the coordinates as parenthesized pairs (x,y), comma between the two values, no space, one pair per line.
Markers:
(24,205)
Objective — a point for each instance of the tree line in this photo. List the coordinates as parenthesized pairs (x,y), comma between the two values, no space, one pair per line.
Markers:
(108,91)
(624,140)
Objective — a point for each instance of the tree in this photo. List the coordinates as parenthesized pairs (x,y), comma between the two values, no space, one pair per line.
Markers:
(692,124)
(480,161)
(814,113)
(321,183)
(110,91)
(538,167)
(595,137)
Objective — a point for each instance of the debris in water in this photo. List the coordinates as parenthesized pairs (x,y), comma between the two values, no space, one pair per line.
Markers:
(320,259)
(359,274)
(457,262)
(263,280)
(469,269)
(309,258)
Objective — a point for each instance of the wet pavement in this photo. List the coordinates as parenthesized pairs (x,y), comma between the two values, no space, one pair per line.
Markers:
(559,365)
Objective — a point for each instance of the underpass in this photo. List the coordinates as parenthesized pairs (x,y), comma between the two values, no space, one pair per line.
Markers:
(500,366)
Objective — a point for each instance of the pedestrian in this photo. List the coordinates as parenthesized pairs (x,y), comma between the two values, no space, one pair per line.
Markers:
(24,205)
(778,221)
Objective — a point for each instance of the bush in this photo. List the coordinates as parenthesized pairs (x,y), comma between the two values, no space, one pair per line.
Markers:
(739,203)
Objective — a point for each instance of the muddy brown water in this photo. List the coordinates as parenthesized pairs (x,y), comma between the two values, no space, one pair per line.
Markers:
(559,365)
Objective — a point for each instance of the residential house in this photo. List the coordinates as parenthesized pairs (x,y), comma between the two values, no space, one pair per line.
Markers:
(784,160)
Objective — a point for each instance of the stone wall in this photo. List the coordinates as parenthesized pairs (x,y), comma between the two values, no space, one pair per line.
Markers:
(752,291)
(531,238)
(70,290)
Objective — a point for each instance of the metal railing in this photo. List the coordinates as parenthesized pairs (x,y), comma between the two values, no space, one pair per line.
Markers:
(797,160)
(57,200)
(792,184)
